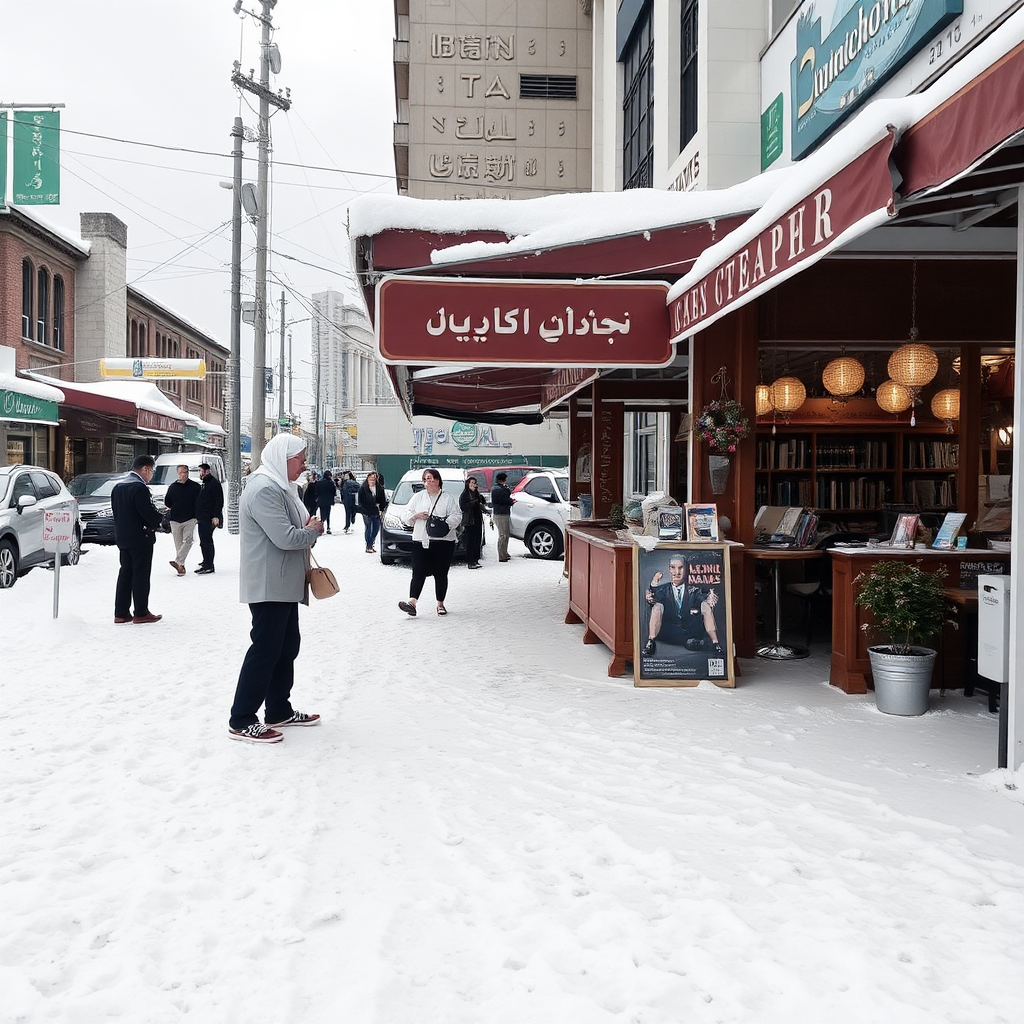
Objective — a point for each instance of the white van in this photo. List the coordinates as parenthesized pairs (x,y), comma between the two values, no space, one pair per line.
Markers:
(166,471)
(395,538)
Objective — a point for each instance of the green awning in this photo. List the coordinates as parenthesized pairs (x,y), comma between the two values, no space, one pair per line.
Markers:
(21,408)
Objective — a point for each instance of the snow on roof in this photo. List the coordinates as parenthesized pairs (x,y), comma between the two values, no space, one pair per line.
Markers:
(30,213)
(32,388)
(164,308)
(581,217)
(142,394)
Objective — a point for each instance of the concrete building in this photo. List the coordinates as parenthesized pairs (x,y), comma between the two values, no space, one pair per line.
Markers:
(493,98)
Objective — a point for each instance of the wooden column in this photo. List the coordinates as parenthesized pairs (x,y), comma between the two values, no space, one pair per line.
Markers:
(606,452)
(969,468)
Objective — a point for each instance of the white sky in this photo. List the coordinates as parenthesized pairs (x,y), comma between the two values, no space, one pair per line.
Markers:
(160,74)
(486,828)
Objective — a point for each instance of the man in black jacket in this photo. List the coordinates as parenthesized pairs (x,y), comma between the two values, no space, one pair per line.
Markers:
(180,500)
(501,509)
(209,515)
(136,521)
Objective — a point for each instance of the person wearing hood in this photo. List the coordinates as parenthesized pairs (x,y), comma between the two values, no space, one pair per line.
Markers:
(276,535)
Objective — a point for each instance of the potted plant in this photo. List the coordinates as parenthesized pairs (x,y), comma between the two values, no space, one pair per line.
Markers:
(907,607)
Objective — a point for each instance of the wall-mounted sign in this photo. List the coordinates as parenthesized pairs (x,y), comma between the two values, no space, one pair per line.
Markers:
(196,435)
(26,408)
(771,132)
(563,383)
(158,422)
(153,369)
(846,48)
(36,158)
(431,320)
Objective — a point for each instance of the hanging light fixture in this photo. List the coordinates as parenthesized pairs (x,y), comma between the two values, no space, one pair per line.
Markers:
(763,400)
(843,377)
(893,397)
(915,364)
(787,395)
(946,406)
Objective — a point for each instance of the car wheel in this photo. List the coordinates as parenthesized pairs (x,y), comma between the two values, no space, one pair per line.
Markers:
(75,552)
(386,560)
(8,565)
(544,542)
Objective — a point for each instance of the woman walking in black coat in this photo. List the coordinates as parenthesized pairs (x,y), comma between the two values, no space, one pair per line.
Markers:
(474,506)
(372,502)
(326,492)
(309,493)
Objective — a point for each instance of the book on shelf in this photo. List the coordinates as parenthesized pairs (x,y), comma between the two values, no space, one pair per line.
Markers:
(945,536)
(701,522)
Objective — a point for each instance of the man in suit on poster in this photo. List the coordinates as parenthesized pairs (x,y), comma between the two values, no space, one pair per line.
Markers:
(136,522)
(681,614)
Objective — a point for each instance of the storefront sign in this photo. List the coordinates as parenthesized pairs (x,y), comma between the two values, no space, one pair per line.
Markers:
(153,369)
(36,158)
(58,529)
(846,203)
(771,132)
(158,421)
(837,68)
(563,383)
(423,320)
(462,435)
(26,408)
(196,435)
(682,629)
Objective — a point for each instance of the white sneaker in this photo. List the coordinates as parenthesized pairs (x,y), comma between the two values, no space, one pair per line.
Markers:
(256,733)
(298,718)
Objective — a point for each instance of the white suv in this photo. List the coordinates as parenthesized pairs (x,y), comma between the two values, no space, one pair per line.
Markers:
(540,510)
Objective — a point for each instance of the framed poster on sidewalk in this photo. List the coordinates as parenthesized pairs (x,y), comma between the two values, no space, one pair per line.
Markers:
(682,626)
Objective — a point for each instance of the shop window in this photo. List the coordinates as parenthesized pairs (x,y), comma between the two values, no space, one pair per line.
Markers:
(27,280)
(638,105)
(42,306)
(645,452)
(688,74)
(142,340)
(215,377)
(58,312)
(193,388)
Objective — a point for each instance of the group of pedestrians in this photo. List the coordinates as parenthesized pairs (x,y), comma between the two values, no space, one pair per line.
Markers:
(190,506)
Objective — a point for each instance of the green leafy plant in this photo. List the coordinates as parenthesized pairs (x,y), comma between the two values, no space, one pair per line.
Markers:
(905,602)
(721,425)
(616,517)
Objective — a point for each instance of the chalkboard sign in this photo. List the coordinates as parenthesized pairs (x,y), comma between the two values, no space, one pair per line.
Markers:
(970,571)
(682,627)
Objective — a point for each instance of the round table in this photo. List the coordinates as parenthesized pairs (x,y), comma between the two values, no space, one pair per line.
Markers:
(779,651)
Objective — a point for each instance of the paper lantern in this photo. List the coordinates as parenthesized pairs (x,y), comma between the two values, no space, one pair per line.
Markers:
(787,394)
(763,400)
(913,365)
(893,397)
(843,376)
(946,404)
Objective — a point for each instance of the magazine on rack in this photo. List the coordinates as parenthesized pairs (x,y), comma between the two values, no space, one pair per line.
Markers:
(701,522)
(945,538)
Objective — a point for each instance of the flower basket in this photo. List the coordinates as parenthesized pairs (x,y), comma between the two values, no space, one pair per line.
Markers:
(721,425)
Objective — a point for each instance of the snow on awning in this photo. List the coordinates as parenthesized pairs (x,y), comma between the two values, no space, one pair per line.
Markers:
(26,401)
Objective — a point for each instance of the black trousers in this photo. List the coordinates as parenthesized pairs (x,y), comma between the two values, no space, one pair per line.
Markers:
(435,561)
(474,535)
(206,543)
(268,670)
(133,581)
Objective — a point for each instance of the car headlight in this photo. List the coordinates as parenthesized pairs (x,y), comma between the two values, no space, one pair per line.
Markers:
(394,523)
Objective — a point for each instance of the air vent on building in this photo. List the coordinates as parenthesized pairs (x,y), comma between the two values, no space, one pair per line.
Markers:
(547,87)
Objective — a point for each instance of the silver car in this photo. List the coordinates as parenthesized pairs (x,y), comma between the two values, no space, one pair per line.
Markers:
(540,510)
(26,493)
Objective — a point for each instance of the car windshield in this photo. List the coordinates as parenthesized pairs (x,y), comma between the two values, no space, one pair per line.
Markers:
(94,484)
(167,474)
(407,488)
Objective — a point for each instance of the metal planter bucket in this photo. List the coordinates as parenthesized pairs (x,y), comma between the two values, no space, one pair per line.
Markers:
(902,681)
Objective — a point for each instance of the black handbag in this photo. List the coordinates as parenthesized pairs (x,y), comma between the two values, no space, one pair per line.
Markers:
(436,526)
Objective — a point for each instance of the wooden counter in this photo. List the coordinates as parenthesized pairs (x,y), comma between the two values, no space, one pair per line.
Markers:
(850,669)
(600,568)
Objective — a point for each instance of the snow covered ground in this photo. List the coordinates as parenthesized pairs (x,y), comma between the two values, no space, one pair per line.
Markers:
(485,829)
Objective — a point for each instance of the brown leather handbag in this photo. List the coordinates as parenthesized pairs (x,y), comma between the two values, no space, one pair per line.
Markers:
(321,580)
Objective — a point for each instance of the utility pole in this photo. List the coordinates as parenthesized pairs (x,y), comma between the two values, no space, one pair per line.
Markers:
(280,382)
(268,54)
(234,466)
(291,408)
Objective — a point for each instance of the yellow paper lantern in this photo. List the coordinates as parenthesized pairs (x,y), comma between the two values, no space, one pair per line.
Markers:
(913,365)
(893,397)
(843,377)
(763,400)
(788,394)
(946,404)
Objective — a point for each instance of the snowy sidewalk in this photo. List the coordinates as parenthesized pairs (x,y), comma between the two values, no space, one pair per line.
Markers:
(485,829)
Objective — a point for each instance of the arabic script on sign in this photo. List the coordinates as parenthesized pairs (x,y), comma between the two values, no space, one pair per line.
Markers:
(553,329)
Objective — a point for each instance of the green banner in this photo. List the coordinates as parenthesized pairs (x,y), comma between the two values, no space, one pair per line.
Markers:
(26,408)
(36,158)
(3,158)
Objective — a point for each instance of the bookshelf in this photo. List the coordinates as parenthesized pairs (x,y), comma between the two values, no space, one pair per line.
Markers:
(854,473)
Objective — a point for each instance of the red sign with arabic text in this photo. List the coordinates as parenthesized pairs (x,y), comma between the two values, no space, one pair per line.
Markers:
(430,320)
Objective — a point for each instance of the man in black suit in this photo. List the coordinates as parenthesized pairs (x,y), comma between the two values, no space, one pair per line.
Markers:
(136,522)
(681,614)
(209,515)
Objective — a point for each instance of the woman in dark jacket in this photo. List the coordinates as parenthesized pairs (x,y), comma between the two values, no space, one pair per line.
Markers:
(309,494)
(326,491)
(372,502)
(473,505)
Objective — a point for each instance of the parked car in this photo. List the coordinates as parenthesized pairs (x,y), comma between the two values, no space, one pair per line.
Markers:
(485,475)
(93,493)
(26,493)
(165,472)
(540,511)
(395,540)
